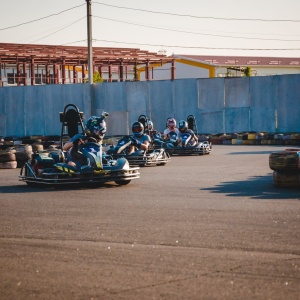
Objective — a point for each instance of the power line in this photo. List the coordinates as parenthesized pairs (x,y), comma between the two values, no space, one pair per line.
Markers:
(197,33)
(58,30)
(197,17)
(200,47)
(65,44)
(56,14)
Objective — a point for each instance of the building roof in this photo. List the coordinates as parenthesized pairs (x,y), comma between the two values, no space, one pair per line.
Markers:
(77,55)
(242,60)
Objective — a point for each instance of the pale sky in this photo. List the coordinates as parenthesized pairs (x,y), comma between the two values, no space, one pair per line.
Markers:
(210,27)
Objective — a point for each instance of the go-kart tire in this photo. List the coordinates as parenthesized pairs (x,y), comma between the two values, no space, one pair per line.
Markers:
(7,156)
(166,155)
(286,179)
(122,182)
(9,165)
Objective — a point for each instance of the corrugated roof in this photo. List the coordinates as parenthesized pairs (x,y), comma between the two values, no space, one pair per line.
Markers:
(75,55)
(242,60)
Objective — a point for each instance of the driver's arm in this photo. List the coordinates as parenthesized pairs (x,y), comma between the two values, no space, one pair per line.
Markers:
(145,145)
(195,138)
(67,146)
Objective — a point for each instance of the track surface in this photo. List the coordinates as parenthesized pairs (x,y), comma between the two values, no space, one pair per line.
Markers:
(201,227)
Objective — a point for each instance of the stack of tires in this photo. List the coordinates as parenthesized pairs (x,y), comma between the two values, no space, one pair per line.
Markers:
(23,154)
(8,159)
(286,167)
(15,157)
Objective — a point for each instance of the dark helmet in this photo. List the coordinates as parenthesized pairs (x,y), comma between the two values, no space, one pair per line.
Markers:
(171,123)
(96,127)
(182,126)
(137,129)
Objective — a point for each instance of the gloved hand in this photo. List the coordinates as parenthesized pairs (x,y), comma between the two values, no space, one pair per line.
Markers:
(77,137)
(135,142)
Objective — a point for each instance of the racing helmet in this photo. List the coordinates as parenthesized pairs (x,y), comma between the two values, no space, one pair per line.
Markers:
(137,129)
(182,126)
(150,125)
(171,123)
(96,127)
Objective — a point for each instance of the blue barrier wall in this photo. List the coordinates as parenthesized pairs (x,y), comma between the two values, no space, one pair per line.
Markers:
(220,105)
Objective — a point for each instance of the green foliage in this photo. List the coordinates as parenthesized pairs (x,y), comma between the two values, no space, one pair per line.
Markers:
(247,72)
(96,78)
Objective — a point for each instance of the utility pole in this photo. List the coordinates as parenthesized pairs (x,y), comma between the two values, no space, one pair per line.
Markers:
(90,46)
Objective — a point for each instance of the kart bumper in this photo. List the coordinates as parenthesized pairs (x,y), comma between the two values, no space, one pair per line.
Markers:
(202,149)
(53,178)
(156,157)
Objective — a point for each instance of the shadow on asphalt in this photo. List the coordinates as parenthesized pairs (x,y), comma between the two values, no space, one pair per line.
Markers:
(252,152)
(257,187)
(21,189)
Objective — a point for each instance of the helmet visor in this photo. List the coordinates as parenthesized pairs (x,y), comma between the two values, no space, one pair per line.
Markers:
(136,129)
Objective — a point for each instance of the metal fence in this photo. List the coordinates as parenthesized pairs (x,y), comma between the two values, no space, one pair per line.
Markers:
(220,105)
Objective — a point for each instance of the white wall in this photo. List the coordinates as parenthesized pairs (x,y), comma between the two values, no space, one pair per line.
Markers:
(182,71)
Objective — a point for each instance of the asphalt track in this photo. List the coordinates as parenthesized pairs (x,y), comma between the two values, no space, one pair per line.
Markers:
(201,227)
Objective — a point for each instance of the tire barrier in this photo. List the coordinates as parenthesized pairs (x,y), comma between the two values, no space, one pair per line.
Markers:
(8,159)
(23,154)
(14,153)
(286,167)
(287,160)
(286,179)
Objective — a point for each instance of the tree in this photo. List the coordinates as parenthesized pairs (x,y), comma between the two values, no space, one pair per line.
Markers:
(247,72)
(96,78)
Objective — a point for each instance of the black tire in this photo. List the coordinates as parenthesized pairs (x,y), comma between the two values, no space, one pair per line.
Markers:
(7,156)
(122,182)
(166,155)
(31,183)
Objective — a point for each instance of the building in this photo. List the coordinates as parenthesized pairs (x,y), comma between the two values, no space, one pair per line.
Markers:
(200,66)
(23,64)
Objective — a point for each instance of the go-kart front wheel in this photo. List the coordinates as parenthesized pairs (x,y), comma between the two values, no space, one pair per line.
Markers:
(122,182)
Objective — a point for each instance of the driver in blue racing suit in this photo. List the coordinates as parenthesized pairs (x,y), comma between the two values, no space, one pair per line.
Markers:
(95,129)
(183,128)
(139,140)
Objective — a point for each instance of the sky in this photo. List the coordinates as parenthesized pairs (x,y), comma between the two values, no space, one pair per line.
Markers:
(269,28)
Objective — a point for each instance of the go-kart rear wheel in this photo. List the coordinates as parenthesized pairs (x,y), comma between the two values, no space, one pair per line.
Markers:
(122,182)
(33,184)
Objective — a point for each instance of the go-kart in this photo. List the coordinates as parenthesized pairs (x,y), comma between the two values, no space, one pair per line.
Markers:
(51,169)
(186,147)
(156,138)
(152,157)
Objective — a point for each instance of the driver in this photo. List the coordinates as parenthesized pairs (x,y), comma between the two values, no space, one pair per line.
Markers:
(171,132)
(95,131)
(96,127)
(139,140)
(154,134)
(74,157)
(183,128)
